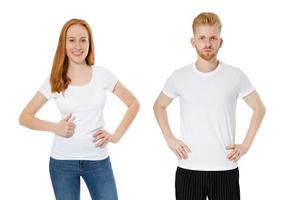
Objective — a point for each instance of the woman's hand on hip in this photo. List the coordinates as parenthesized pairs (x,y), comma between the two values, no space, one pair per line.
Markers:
(102,138)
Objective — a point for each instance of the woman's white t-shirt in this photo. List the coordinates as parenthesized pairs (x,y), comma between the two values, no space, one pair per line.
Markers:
(208,109)
(86,104)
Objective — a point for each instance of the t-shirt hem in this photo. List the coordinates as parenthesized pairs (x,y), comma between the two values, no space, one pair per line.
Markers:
(61,157)
(44,94)
(247,92)
(168,94)
(208,168)
(111,87)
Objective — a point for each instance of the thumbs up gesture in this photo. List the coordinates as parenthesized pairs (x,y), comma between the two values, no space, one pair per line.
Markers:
(65,127)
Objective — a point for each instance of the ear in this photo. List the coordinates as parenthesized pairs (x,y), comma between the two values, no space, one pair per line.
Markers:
(221,42)
(193,42)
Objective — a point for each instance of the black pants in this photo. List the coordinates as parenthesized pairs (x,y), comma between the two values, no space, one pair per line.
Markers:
(216,185)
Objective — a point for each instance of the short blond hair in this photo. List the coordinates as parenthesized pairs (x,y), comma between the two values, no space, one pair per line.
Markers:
(207,18)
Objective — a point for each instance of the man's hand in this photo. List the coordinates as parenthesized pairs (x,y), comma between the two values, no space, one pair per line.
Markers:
(237,150)
(178,147)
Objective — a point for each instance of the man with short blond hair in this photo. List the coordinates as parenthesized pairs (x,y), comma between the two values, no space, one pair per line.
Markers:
(208,90)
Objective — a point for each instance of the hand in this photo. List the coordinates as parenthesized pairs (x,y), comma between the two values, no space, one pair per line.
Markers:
(102,137)
(178,147)
(64,128)
(237,150)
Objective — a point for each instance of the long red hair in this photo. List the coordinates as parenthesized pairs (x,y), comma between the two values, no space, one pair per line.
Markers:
(59,79)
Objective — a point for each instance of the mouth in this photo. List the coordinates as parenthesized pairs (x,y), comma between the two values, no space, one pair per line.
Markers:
(77,53)
(208,50)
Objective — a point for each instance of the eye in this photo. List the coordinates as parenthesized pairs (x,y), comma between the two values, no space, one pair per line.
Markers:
(84,40)
(202,37)
(71,40)
(213,38)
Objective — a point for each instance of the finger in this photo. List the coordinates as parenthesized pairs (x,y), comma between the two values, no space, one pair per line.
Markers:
(70,124)
(70,130)
(68,117)
(186,148)
(183,152)
(232,146)
(231,154)
(98,132)
(234,156)
(101,136)
(105,143)
(238,157)
(180,153)
(177,154)
(101,142)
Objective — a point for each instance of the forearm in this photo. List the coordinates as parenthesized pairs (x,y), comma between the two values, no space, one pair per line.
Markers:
(34,123)
(254,125)
(126,121)
(162,119)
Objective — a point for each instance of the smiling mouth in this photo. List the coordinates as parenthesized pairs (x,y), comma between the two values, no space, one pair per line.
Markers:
(77,53)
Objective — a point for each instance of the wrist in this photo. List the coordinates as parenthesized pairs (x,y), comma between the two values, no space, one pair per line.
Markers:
(115,138)
(246,146)
(52,127)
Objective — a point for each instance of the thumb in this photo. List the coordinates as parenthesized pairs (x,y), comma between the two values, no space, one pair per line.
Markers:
(68,117)
(229,147)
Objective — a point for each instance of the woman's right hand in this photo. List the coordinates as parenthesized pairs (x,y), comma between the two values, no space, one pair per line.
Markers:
(64,128)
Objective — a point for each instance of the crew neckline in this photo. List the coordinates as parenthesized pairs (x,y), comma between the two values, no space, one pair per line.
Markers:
(207,73)
(87,84)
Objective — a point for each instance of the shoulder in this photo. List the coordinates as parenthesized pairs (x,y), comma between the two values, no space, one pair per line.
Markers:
(182,71)
(230,69)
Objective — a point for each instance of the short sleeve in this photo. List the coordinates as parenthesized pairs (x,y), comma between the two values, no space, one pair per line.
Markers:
(245,87)
(109,79)
(169,88)
(45,89)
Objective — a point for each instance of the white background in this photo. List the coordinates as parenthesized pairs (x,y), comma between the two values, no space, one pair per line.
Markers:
(142,42)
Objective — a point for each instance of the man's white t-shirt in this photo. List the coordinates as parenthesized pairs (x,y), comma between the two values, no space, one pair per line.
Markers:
(208,109)
(86,104)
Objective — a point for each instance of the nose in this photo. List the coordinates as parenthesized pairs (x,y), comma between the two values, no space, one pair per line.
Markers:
(208,43)
(77,45)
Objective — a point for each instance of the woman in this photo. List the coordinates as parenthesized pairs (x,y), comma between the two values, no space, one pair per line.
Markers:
(80,144)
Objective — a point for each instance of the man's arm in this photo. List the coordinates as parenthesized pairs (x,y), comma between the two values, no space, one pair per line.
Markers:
(258,108)
(177,146)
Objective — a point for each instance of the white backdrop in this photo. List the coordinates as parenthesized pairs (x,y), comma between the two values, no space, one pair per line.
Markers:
(142,43)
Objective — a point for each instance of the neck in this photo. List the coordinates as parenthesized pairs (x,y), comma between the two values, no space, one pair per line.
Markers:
(207,65)
(77,66)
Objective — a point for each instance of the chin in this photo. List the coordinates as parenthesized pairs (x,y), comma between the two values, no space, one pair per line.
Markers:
(78,60)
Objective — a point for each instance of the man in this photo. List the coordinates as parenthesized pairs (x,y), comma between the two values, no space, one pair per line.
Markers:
(208,91)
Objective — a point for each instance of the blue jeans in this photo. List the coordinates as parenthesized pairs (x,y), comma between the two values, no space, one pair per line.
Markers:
(98,176)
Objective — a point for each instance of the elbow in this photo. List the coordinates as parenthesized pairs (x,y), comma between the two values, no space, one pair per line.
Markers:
(135,105)
(24,119)
(261,110)
(21,120)
(157,106)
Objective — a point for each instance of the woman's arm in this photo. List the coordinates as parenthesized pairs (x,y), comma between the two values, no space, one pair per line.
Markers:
(27,118)
(133,106)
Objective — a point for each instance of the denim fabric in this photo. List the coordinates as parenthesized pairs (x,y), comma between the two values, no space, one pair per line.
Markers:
(98,176)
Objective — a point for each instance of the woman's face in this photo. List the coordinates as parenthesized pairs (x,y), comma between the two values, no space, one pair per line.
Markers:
(77,44)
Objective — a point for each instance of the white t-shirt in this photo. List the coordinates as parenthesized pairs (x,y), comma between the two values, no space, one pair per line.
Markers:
(208,109)
(86,104)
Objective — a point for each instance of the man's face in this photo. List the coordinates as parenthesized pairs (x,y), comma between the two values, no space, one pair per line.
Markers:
(207,41)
